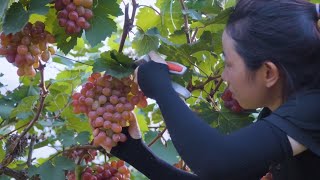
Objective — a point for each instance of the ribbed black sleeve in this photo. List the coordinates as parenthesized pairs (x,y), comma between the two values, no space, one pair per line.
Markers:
(137,154)
(244,154)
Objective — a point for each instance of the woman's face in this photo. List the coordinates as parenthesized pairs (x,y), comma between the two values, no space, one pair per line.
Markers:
(250,92)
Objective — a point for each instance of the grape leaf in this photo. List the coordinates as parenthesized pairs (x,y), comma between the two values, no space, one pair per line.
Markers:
(16,17)
(193,14)
(224,120)
(166,152)
(67,138)
(64,163)
(25,106)
(83,138)
(115,64)
(102,26)
(39,7)
(145,42)
(3,8)
(50,171)
(147,18)
(111,7)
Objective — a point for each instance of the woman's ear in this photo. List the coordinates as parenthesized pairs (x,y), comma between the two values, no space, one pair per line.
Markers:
(271,74)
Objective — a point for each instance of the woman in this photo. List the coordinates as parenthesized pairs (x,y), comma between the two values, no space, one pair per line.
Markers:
(272,60)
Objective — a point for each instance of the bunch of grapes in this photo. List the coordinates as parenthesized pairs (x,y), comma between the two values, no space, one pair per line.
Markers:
(26,48)
(231,103)
(73,15)
(108,102)
(116,170)
(87,155)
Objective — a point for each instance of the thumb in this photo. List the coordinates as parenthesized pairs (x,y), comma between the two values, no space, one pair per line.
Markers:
(156,57)
(134,129)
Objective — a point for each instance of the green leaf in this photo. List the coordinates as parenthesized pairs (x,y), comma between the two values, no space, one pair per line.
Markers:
(141,117)
(145,42)
(3,8)
(2,151)
(229,121)
(171,14)
(63,61)
(102,26)
(206,112)
(64,163)
(39,6)
(16,17)
(5,110)
(147,18)
(83,138)
(50,171)
(26,106)
(166,152)
(193,14)
(67,138)
(115,64)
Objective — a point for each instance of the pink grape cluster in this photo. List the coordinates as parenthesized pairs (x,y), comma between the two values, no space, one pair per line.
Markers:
(108,102)
(73,15)
(26,48)
(116,170)
(230,102)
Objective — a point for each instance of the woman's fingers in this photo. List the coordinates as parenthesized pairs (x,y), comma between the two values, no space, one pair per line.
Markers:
(134,129)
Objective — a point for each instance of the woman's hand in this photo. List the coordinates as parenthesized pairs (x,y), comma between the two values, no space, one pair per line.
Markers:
(154,57)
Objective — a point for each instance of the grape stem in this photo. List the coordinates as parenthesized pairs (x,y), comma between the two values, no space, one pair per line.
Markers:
(128,23)
(157,138)
(201,86)
(43,94)
(18,175)
(33,140)
(186,23)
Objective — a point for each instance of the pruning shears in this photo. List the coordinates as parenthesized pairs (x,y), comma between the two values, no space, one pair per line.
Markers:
(174,68)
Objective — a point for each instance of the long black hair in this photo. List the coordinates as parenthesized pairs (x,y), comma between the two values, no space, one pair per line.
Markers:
(284,32)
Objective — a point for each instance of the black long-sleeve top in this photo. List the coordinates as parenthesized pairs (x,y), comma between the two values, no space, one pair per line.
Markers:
(248,153)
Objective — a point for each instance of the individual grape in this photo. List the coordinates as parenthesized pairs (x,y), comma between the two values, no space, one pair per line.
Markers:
(107,124)
(87,3)
(99,122)
(30,60)
(78,2)
(63,14)
(81,21)
(71,7)
(114,99)
(45,56)
(102,99)
(66,2)
(22,49)
(26,40)
(73,15)
(116,137)
(142,103)
(108,116)
(134,100)
(80,10)
(119,107)
(92,115)
(101,110)
(88,14)
(116,128)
